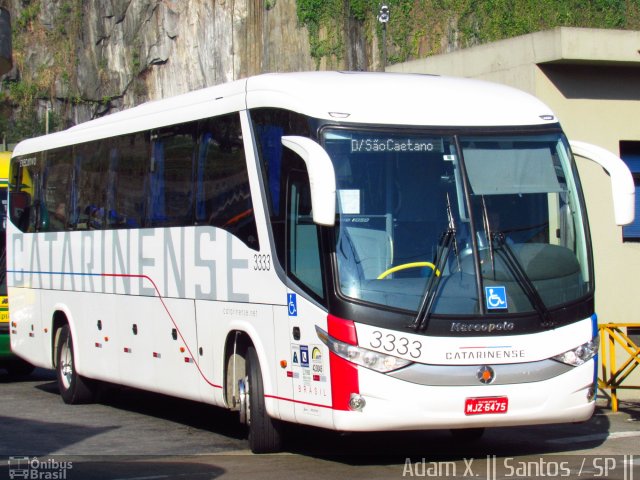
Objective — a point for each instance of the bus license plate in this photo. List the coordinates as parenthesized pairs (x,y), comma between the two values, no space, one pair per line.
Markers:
(484,405)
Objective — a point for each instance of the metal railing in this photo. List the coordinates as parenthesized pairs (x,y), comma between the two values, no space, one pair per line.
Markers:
(613,374)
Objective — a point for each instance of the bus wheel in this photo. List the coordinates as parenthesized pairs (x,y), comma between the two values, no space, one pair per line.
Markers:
(265,433)
(74,389)
(467,434)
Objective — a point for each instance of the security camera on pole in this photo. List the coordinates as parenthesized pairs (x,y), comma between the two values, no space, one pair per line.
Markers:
(383,18)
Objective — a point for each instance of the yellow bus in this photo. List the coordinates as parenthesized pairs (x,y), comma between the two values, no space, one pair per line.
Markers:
(9,361)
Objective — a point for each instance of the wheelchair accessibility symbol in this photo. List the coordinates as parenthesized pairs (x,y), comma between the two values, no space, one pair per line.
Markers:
(496,297)
(292,303)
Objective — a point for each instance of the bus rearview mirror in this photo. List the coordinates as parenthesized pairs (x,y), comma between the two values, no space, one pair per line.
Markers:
(622,185)
(322,177)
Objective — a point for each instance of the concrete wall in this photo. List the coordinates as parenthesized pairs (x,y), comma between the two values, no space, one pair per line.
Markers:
(600,104)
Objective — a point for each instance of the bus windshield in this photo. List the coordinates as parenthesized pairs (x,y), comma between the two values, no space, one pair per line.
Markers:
(458,225)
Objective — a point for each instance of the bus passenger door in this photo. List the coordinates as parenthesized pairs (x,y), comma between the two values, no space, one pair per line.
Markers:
(309,358)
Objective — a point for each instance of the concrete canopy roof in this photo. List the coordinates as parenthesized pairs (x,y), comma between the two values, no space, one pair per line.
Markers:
(563,45)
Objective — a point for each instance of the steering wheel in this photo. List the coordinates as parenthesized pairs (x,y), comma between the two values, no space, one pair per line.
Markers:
(406,266)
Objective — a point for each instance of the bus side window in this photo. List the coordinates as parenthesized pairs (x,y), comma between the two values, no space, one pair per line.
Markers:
(302,236)
(223,196)
(91,185)
(171,175)
(19,196)
(128,167)
(269,125)
(57,186)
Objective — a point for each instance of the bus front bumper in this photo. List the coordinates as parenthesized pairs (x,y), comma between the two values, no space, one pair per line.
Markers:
(392,404)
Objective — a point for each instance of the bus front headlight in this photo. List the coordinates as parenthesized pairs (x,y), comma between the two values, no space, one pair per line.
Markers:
(581,354)
(377,361)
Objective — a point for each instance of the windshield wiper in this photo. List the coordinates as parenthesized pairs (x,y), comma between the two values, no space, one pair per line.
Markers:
(515,267)
(447,240)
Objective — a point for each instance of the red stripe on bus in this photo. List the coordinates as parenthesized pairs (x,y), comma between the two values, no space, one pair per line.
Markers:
(343,330)
(344,374)
(164,305)
(344,381)
(284,399)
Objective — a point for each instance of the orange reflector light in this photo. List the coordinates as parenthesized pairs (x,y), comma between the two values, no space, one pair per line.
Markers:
(283,363)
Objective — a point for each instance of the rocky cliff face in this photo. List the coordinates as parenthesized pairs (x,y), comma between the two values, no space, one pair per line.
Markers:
(85,58)
(106,55)
(166,48)
(80,59)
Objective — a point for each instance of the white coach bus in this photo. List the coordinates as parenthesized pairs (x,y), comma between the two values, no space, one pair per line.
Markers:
(353,251)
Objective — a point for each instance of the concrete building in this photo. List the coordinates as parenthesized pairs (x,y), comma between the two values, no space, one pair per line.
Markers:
(591,79)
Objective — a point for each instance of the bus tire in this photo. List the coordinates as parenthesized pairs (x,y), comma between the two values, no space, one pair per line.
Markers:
(265,433)
(74,389)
